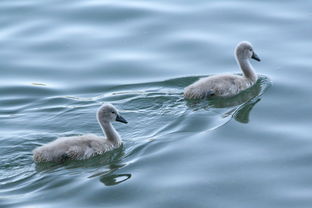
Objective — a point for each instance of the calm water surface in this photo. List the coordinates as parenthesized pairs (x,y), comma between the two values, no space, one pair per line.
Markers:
(60,60)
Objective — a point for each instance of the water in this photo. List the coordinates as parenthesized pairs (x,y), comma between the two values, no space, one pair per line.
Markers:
(60,60)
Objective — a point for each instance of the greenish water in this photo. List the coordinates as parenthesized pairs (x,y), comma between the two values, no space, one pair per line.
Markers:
(60,60)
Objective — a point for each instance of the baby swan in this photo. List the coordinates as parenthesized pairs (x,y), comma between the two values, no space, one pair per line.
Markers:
(85,146)
(227,85)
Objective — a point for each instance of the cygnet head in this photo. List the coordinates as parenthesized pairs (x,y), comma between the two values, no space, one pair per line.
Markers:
(108,113)
(245,51)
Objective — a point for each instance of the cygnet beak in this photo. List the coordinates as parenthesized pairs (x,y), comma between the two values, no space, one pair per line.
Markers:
(255,56)
(121,119)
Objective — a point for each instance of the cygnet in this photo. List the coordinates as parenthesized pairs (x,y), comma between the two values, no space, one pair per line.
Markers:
(84,146)
(227,85)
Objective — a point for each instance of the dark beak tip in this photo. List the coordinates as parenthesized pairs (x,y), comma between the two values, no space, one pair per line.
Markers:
(256,57)
(121,119)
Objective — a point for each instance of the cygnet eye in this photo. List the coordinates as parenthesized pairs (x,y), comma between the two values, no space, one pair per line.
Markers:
(113,112)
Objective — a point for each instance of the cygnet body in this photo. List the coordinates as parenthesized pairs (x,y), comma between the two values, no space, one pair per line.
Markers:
(227,85)
(84,146)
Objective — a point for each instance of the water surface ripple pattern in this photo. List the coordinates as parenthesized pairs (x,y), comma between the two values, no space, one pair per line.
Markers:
(60,60)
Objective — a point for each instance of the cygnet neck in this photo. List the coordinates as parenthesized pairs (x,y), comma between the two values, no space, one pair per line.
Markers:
(247,69)
(110,132)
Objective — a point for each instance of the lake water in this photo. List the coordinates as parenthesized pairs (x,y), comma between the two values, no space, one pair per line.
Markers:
(60,60)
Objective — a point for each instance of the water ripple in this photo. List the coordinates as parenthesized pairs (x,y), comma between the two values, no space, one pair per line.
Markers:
(61,60)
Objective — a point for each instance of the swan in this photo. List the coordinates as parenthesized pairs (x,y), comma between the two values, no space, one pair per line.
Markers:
(227,85)
(84,146)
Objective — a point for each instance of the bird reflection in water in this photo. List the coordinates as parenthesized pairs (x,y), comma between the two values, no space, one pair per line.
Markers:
(108,177)
(110,180)
(238,107)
